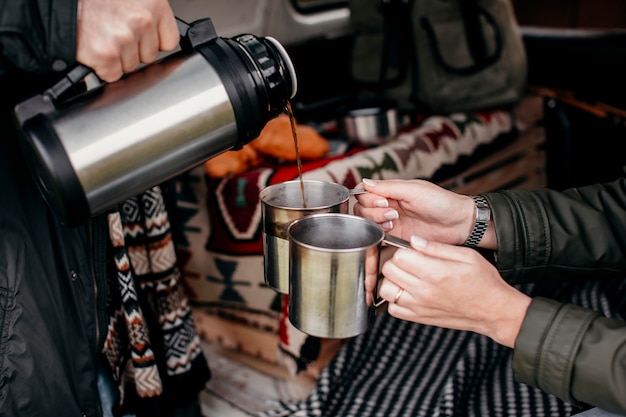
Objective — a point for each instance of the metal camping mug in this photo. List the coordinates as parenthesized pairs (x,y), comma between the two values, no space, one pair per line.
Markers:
(334,273)
(281,204)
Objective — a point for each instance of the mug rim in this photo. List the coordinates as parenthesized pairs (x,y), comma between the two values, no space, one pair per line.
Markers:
(351,217)
(270,188)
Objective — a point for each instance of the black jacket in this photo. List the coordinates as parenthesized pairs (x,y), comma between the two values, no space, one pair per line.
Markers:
(572,352)
(37,36)
(49,340)
(48,337)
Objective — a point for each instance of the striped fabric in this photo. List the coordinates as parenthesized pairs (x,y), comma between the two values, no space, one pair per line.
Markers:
(404,369)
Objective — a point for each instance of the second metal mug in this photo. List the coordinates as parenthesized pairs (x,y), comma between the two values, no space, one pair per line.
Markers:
(334,272)
(283,203)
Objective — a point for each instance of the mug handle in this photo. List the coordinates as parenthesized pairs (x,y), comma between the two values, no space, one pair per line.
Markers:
(398,243)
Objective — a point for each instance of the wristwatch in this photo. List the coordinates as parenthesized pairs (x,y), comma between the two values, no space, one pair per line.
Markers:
(483,215)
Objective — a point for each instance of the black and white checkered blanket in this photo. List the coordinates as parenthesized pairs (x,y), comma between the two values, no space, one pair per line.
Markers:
(400,369)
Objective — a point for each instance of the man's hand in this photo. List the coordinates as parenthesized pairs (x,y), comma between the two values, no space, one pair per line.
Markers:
(115,36)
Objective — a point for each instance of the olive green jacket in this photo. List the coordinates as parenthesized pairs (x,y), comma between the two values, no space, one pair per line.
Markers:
(572,352)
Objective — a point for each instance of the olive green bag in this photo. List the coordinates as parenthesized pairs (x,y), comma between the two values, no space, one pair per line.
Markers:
(438,55)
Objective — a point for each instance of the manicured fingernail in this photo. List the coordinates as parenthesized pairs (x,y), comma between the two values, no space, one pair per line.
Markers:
(387,225)
(391,215)
(381,202)
(417,242)
(369,182)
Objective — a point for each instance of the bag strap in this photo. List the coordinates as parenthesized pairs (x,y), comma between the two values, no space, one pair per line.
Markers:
(473,31)
(397,40)
(471,14)
(396,31)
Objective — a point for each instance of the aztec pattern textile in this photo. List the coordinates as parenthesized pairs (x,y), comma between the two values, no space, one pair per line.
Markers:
(151,343)
(222,255)
(402,369)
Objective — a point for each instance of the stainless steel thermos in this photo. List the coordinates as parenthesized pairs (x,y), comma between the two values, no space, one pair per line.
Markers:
(93,150)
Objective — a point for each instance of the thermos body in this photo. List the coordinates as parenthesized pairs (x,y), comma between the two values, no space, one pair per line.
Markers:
(96,149)
(167,118)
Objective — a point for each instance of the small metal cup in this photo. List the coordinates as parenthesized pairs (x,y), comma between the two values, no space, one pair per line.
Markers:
(370,122)
(334,271)
(281,204)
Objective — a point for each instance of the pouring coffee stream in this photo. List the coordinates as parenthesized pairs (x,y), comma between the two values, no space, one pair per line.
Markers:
(292,121)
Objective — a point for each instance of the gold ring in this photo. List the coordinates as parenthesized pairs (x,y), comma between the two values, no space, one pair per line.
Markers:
(398,295)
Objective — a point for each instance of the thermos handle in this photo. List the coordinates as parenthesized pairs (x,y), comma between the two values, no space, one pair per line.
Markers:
(191,35)
(72,78)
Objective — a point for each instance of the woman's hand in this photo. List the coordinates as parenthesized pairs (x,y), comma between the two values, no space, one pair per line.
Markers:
(452,287)
(417,207)
(115,36)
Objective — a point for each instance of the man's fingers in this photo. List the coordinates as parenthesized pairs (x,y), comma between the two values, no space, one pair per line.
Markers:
(169,36)
(149,47)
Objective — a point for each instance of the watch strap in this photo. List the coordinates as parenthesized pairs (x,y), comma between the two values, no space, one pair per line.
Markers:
(481,221)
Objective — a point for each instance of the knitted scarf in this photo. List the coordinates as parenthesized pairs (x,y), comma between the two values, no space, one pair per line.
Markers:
(151,345)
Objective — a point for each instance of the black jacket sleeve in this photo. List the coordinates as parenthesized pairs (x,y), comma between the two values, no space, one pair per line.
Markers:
(37,36)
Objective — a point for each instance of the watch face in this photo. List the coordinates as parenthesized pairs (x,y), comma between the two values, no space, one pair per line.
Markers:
(483,214)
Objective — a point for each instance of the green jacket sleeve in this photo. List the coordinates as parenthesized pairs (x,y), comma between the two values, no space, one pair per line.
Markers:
(560,236)
(566,350)
(574,353)
(37,36)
